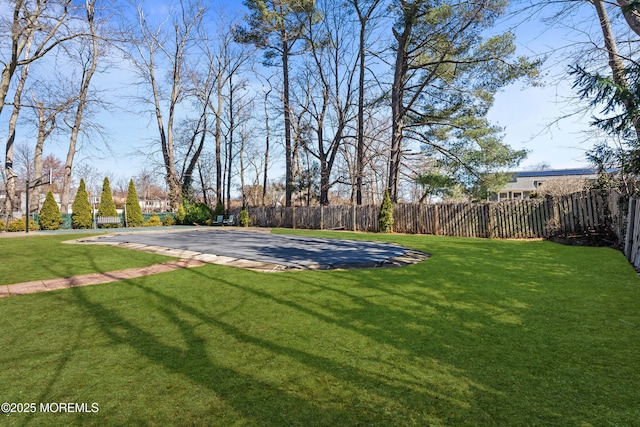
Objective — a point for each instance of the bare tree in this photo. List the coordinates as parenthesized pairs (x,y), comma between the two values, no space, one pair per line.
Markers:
(11,176)
(230,60)
(90,55)
(366,11)
(157,46)
(267,88)
(46,125)
(39,27)
(277,26)
(329,84)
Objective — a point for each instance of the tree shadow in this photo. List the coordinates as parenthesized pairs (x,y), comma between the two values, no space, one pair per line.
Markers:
(194,363)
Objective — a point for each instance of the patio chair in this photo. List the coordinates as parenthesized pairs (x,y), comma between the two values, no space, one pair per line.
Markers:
(229,221)
(219,220)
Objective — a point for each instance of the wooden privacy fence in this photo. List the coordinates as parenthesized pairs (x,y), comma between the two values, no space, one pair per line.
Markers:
(576,214)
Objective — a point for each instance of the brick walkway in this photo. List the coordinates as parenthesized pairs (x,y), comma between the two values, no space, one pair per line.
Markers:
(95,278)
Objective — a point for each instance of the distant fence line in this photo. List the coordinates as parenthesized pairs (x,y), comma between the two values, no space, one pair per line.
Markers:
(580,213)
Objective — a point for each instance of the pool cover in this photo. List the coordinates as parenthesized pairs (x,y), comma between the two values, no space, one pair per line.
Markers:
(286,250)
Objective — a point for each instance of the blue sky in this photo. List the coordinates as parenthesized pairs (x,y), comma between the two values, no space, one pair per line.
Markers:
(546,120)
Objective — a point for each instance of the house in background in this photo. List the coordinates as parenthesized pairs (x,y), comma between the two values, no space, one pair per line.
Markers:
(523,184)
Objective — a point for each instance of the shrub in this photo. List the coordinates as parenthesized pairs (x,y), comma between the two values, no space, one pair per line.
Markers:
(3,226)
(50,216)
(134,216)
(154,221)
(244,219)
(81,216)
(107,206)
(198,213)
(181,214)
(169,220)
(20,225)
(385,217)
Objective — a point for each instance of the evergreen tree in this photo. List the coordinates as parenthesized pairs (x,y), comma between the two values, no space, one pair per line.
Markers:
(385,217)
(81,216)
(219,210)
(181,214)
(447,71)
(245,221)
(50,216)
(107,206)
(134,212)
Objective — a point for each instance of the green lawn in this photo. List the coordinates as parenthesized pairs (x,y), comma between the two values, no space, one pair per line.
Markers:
(483,333)
(23,259)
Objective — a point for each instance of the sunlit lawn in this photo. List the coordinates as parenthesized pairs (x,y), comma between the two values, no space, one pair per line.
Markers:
(37,257)
(483,333)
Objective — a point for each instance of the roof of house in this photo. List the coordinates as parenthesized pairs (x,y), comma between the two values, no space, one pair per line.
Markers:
(555,173)
(529,180)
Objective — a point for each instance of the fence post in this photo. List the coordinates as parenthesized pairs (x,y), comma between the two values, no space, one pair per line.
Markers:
(490,221)
(293,217)
(631,219)
(436,220)
(556,214)
(321,217)
(353,216)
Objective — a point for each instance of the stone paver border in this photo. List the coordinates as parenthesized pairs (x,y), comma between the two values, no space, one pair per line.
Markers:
(95,278)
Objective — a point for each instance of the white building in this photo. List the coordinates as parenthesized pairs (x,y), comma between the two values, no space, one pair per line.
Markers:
(523,184)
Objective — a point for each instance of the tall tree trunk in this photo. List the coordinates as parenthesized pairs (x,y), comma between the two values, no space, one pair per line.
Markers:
(17,44)
(46,124)
(363,17)
(11,203)
(397,112)
(175,187)
(218,137)
(230,144)
(266,147)
(166,139)
(241,154)
(205,189)
(615,63)
(82,99)
(409,12)
(360,131)
(632,16)
(187,179)
(289,184)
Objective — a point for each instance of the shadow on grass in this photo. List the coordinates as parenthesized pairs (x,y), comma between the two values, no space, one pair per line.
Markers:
(255,400)
(450,341)
(420,386)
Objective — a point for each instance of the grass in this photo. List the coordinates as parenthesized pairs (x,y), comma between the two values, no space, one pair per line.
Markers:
(45,257)
(483,333)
